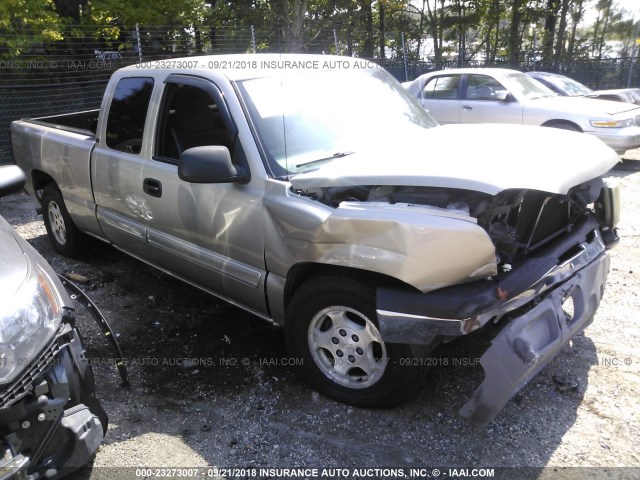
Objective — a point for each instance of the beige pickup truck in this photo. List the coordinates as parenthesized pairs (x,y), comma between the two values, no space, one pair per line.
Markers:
(316,193)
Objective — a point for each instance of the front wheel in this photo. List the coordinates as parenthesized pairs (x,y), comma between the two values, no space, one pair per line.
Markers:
(62,232)
(331,324)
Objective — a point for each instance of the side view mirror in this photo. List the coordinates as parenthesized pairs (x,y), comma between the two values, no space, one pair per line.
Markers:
(209,164)
(11,179)
(505,96)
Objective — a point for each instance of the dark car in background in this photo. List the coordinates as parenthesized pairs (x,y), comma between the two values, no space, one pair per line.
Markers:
(50,420)
(568,87)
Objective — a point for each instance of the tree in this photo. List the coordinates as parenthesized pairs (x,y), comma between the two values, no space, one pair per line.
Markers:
(27,27)
(515,39)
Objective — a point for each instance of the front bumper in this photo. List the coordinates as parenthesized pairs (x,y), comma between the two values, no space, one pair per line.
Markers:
(530,341)
(620,139)
(50,420)
(532,296)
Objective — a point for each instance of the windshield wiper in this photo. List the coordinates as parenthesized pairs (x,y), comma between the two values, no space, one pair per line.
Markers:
(325,159)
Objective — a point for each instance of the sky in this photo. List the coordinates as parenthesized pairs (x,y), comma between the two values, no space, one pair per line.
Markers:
(632,6)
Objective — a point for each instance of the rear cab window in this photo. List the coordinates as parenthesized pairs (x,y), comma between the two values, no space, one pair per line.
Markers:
(127,114)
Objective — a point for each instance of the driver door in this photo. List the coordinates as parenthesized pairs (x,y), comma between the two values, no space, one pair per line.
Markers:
(484,102)
(209,234)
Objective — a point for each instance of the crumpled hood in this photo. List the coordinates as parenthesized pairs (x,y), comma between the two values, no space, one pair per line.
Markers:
(13,262)
(487,158)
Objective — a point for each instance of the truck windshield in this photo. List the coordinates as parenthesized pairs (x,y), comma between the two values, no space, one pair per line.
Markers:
(306,119)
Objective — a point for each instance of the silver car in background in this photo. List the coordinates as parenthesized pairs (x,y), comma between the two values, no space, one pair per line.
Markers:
(568,87)
(50,420)
(494,95)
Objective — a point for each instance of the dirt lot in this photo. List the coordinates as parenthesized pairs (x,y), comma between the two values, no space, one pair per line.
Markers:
(213,386)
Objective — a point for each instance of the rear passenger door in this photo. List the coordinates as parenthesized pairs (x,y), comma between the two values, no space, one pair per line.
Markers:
(440,96)
(117,162)
(208,234)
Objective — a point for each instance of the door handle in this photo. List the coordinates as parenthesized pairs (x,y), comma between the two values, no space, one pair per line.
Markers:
(152,187)
(467,107)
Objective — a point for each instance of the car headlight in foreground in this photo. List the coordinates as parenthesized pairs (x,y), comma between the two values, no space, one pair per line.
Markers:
(28,321)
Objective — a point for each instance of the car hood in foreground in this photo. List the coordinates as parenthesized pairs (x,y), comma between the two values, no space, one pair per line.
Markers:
(13,262)
(487,158)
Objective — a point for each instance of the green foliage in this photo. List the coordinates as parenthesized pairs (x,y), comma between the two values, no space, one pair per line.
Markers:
(481,29)
(27,25)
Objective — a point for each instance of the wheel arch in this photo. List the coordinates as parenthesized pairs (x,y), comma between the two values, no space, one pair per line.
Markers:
(562,123)
(39,180)
(303,272)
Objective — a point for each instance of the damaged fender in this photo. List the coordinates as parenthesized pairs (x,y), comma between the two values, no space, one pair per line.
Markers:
(426,247)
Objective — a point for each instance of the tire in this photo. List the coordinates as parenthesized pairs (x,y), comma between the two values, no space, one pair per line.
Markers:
(331,325)
(62,232)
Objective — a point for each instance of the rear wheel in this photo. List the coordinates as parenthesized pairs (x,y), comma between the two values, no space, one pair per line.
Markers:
(63,234)
(331,325)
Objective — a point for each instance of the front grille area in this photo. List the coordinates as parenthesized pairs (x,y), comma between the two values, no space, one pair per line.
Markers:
(24,384)
(521,222)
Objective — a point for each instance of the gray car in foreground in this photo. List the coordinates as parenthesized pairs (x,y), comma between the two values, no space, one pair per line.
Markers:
(495,95)
(50,420)
(367,231)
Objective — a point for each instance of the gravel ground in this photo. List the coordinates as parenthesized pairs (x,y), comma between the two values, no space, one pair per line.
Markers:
(213,386)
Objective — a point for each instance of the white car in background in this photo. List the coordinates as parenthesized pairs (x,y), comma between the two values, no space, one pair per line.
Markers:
(494,95)
(568,87)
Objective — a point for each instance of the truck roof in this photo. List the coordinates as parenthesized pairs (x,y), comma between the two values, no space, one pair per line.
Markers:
(252,65)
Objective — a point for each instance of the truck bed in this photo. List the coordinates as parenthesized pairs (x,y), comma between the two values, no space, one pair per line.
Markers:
(80,122)
(59,148)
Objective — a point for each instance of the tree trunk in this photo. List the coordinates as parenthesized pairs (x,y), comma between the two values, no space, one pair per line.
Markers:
(381,29)
(212,28)
(293,15)
(367,14)
(351,25)
(420,31)
(562,30)
(514,33)
(550,21)
(433,27)
(576,17)
(601,41)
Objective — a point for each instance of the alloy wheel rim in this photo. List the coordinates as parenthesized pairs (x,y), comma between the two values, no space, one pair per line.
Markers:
(57,223)
(347,347)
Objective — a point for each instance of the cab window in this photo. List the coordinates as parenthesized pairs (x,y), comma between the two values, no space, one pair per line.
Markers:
(127,114)
(189,117)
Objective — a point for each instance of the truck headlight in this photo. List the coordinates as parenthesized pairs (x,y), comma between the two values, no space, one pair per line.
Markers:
(611,123)
(28,321)
(608,204)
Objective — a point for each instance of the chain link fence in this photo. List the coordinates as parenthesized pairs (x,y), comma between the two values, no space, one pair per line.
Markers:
(40,101)
(53,77)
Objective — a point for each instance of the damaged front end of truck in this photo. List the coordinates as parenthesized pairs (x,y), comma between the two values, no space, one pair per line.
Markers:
(552,267)
(532,261)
